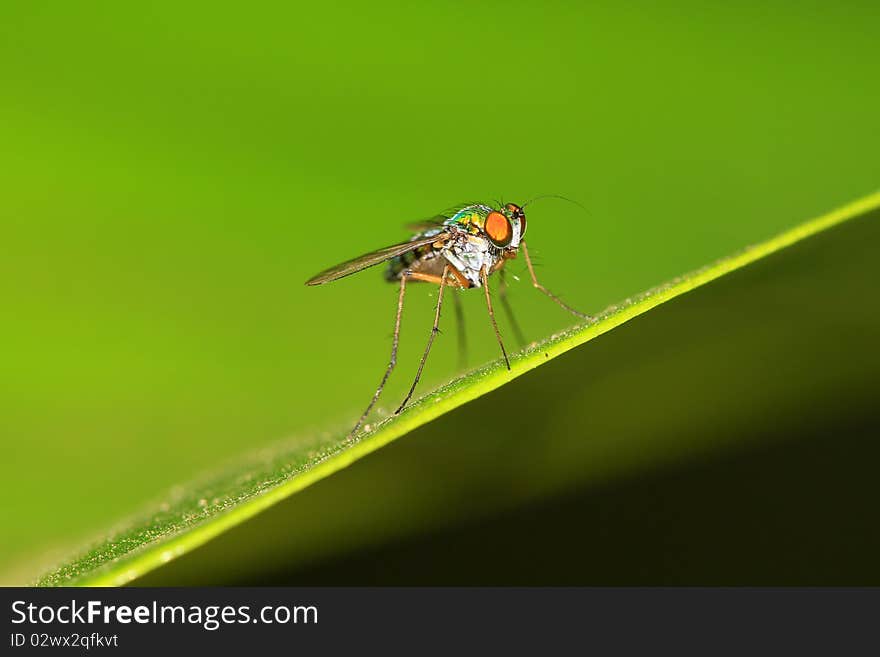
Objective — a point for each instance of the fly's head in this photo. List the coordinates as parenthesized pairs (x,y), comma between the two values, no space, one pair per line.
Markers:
(505,228)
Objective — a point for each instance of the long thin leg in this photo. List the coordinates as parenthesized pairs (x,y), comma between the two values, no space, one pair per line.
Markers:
(434,330)
(543,289)
(462,334)
(505,303)
(485,282)
(391,363)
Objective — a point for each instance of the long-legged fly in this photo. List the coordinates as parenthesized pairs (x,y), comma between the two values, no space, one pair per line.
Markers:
(460,248)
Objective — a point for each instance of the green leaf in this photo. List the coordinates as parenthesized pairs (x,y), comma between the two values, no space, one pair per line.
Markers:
(198,512)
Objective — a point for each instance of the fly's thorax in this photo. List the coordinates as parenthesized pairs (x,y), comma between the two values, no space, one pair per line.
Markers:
(469,219)
(470,253)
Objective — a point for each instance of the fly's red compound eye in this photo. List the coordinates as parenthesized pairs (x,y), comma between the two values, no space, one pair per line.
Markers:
(498,228)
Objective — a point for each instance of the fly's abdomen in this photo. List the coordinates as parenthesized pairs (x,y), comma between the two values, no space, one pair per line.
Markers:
(424,261)
(397,265)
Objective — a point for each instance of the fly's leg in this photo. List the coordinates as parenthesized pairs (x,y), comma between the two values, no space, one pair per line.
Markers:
(460,278)
(485,282)
(543,289)
(462,334)
(434,330)
(508,310)
(391,363)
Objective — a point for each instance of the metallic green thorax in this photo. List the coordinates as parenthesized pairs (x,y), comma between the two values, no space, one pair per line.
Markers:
(471,218)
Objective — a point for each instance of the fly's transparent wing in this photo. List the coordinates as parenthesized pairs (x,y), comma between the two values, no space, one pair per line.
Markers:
(440,219)
(426,224)
(369,259)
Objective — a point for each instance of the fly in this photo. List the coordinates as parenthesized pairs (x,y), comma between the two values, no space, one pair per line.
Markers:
(460,249)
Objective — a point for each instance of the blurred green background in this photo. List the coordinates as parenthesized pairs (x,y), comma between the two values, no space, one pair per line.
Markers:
(171,173)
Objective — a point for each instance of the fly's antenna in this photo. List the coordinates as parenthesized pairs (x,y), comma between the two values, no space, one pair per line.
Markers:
(564,198)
